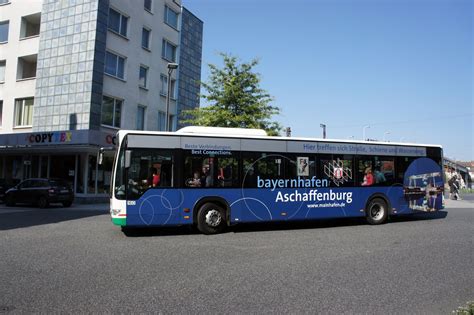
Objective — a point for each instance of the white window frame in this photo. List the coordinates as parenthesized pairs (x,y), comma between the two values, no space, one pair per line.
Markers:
(165,44)
(122,17)
(19,122)
(145,86)
(166,17)
(113,111)
(116,65)
(149,38)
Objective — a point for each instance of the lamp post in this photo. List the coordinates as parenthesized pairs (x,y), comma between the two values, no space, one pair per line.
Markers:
(171,67)
(363,131)
(385,133)
(324,130)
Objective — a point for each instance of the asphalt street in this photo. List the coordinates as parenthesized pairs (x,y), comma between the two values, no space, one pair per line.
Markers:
(75,261)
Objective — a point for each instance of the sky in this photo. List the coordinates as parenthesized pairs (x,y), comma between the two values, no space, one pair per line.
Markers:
(403,67)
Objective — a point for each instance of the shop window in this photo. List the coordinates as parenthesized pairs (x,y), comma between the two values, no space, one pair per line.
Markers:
(92,174)
(104,174)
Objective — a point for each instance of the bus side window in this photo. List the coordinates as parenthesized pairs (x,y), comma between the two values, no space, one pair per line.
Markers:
(337,170)
(384,170)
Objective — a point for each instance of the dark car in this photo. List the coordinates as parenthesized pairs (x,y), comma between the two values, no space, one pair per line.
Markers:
(41,192)
(6,184)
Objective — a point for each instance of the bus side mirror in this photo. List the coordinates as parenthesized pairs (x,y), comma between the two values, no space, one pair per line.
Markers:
(128,158)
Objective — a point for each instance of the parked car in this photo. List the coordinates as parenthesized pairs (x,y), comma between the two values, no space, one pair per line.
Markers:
(6,184)
(40,191)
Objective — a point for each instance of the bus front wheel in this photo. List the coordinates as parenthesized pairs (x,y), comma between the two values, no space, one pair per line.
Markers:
(211,219)
(377,211)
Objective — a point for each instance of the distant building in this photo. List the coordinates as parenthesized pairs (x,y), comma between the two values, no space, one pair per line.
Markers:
(73,72)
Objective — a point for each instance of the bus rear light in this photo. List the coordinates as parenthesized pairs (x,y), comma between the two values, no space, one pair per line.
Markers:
(283,213)
(186,217)
(187,210)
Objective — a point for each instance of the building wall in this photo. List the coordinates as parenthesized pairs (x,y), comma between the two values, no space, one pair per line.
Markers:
(65,65)
(131,48)
(12,88)
(190,62)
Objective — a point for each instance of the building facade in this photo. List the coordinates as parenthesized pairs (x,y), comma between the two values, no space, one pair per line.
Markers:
(74,72)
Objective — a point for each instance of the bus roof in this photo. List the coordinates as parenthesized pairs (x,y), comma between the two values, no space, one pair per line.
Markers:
(257,134)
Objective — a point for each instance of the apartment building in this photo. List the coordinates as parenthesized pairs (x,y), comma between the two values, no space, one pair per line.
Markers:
(73,72)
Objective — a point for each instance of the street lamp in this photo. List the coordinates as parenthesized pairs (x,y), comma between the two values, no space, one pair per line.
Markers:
(385,133)
(171,67)
(324,130)
(363,131)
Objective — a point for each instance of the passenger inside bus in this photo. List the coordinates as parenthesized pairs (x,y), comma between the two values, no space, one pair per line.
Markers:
(368,178)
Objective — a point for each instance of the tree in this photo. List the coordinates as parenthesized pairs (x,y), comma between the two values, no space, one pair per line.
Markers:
(235,99)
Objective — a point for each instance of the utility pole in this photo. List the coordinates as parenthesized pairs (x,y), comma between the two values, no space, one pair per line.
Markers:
(324,130)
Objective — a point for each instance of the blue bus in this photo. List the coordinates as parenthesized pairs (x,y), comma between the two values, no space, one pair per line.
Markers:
(216,177)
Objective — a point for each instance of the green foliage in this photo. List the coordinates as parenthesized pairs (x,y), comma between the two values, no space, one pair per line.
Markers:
(465,310)
(235,99)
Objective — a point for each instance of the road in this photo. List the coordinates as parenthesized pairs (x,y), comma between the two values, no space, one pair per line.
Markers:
(75,261)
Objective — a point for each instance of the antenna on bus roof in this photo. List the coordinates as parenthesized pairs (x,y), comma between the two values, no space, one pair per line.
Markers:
(223,131)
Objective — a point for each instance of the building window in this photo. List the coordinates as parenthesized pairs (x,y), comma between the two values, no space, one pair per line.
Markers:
(1,113)
(24,112)
(164,86)
(162,120)
(30,25)
(168,51)
(147,5)
(3,64)
(146,38)
(171,17)
(4,31)
(141,117)
(26,67)
(143,76)
(111,111)
(114,65)
(118,22)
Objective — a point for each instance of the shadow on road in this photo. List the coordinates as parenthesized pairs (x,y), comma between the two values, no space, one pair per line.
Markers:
(14,218)
(278,226)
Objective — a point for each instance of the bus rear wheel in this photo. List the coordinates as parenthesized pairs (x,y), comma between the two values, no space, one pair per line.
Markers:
(377,211)
(211,219)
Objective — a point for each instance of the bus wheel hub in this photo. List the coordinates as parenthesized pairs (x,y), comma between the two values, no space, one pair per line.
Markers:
(213,218)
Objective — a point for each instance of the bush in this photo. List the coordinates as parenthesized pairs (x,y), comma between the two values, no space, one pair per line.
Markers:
(465,310)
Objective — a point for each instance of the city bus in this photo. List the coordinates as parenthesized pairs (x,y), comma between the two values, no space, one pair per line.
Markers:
(214,177)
